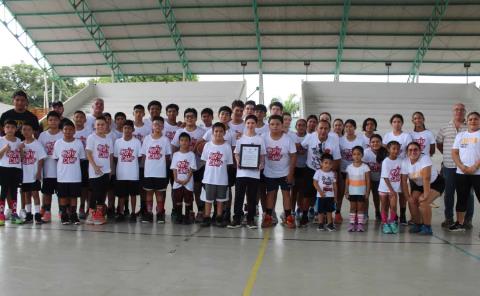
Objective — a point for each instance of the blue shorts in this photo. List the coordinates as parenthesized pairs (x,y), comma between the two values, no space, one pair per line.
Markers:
(325,205)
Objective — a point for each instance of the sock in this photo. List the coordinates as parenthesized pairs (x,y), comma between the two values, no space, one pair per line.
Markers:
(393,216)
(403,212)
(12,204)
(2,206)
(28,208)
(37,209)
(269,212)
(149,206)
(352,218)
(384,217)
(288,213)
(361,218)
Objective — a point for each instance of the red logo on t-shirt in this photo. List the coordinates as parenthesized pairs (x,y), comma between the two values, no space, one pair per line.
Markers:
(347,154)
(421,141)
(274,153)
(127,155)
(103,150)
(215,159)
(13,156)
(183,167)
(395,175)
(49,146)
(374,167)
(29,157)
(170,135)
(154,152)
(69,156)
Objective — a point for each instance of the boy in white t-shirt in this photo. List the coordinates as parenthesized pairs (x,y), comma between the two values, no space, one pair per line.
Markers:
(127,152)
(183,164)
(156,150)
(120,119)
(69,152)
(32,164)
(217,155)
(81,133)
(237,125)
(110,193)
(325,184)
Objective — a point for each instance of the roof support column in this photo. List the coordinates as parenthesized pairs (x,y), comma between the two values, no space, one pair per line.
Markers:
(341,37)
(261,95)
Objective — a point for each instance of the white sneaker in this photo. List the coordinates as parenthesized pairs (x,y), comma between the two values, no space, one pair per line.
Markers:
(275,218)
(8,214)
(23,214)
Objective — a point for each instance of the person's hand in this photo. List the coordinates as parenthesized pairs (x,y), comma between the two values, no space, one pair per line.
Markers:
(21,146)
(347,195)
(470,170)
(261,166)
(38,176)
(97,169)
(6,148)
(290,178)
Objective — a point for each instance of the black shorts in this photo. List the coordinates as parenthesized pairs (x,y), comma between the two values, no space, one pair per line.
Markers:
(356,198)
(99,186)
(72,190)
(157,184)
(274,183)
(198,175)
(310,190)
(438,185)
(126,188)
(49,186)
(10,179)
(84,169)
(300,179)
(29,187)
(325,205)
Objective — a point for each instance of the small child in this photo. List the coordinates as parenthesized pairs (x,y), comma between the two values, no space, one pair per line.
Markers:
(218,156)
(32,162)
(183,165)
(326,185)
(81,133)
(156,150)
(389,187)
(10,171)
(357,189)
(69,152)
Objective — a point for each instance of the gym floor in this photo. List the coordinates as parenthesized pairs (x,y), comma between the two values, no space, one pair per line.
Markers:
(144,259)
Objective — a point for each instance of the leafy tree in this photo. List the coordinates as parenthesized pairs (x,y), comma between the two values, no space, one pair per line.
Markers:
(290,105)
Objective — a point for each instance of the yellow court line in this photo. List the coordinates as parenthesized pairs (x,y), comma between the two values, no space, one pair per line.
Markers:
(253,274)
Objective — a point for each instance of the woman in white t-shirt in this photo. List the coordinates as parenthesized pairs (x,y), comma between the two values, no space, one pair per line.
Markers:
(421,135)
(426,185)
(298,189)
(466,155)
(369,127)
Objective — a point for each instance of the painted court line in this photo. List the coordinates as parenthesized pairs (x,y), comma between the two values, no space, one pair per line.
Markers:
(258,262)
(458,247)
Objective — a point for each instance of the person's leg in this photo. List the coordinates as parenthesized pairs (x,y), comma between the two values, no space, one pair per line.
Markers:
(384,201)
(449,195)
(188,200)
(240,190)
(341,193)
(413,205)
(376,199)
(403,208)
(252,189)
(463,187)
(352,215)
(425,208)
(361,211)
(393,208)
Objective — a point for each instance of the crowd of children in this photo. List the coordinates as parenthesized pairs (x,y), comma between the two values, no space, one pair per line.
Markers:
(97,166)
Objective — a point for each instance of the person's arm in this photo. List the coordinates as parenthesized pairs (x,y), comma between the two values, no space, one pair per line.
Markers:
(439,139)
(336,165)
(426,173)
(458,162)
(390,187)
(317,187)
(291,168)
(347,192)
(112,165)
(38,177)
(91,161)
(432,149)
(404,184)
(4,149)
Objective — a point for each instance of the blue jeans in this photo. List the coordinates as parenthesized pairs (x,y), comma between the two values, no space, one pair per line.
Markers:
(449,175)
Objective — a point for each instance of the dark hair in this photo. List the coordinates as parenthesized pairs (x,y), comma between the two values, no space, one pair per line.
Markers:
(250,102)
(208,111)
(382,151)
(10,122)
(414,144)
(260,107)
(225,109)
(238,103)
(253,117)
(423,117)
(219,125)
(312,117)
(129,123)
(20,93)
(287,114)
(326,156)
(364,125)
(79,112)
(27,123)
(277,104)
(392,143)
(66,122)
(139,106)
(399,116)
(120,114)
(184,135)
(172,106)
(352,122)
(325,121)
(158,118)
(359,148)
(154,103)
(275,117)
(473,113)
(101,118)
(107,114)
(191,110)
(57,104)
(339,119)
(300,120)
(53,114)
(328,113)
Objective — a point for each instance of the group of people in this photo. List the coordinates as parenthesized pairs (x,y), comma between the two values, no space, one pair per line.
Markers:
(98,164)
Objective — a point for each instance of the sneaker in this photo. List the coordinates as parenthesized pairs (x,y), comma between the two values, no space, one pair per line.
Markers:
(120,218)
(38,218)
(132,218)
(8,214)
(290,222)
(457,227)
(91,214)
(331,227)
(403,220)
(2,219)
(311,214)
(378,217)
(64,219)
(179,219)
(274,218)
(426,230)
(351,227)
(28,218)
(298,214)
(394,227)
(47,217)
(199,218)
(99,218)
(221,222)
(386,229)
(22,214)
(410,222)
(360,228)
(110,213)
(321,227)
(81,214)
(236,223)
(303,221)
(161,218)
(74,219)
(415,228)
(252,225)
(206,222)
(146,217)
(15,219)
(267,221)
(468,224)
(338,218)
(174,215)
(447,223)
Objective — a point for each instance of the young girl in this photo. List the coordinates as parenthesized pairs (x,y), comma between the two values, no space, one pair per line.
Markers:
(338,127)
(421,135)
(325,184)
(369,127)
(298,189)
(389,187)
(357,189)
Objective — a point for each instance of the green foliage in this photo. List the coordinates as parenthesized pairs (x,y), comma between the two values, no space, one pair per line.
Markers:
(145,78)
(290,105)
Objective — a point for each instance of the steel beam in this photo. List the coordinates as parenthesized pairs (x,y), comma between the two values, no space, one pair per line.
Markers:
(258,41)
(341,38)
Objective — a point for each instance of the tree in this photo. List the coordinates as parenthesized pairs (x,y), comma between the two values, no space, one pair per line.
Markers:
(290,105)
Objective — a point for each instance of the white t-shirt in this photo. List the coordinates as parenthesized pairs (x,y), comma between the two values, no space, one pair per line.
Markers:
(216,158)
(183,163)
(102,149)
(325,180)
(370,158)
(118,134)
(301,158)
(414,171)
(48,141)
(262,130)
(391,169)
(127,154)
(366,140)
(314,153)
(32,154)
(230,137)
(82,135)
(237,129)
(195,136)
(404,139)
(246,140)
(468,145)
(155,151)
(169,130)
(141,132)
(277,160)
(90,124)
(69,155)
(11,159)
(357,184)
(424,139)
(346,147)
(112,136)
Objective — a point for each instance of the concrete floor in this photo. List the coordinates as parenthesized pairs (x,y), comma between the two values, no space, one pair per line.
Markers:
(140,259)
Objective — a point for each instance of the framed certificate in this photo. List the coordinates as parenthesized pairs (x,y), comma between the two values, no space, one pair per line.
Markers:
(249,156)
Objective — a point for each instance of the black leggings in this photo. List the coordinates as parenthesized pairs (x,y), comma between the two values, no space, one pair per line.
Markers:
(99,187)
(250,186)
(463,186)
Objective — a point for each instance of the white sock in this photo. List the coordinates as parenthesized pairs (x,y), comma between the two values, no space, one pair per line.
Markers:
(28,208)
(37,209)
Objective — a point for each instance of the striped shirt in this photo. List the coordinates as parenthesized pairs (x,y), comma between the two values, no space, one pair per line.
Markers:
(446,136)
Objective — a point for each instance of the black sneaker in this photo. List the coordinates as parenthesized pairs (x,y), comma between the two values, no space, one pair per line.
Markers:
(403,220)
(304,221)
(174,215)
(65,219)
(252,225)
(331,227)
(220,222)
(236,223)
(133,218)
(161,218)
(120,218)
(179,219)
(28,218)
(74,219)
(126,212)
(206,222)
(457,227)
(147,217)
(38,218)
(321,227)
(447,223)
(110,213)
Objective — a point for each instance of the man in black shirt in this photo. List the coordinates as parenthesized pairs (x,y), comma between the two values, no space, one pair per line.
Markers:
(20,114)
